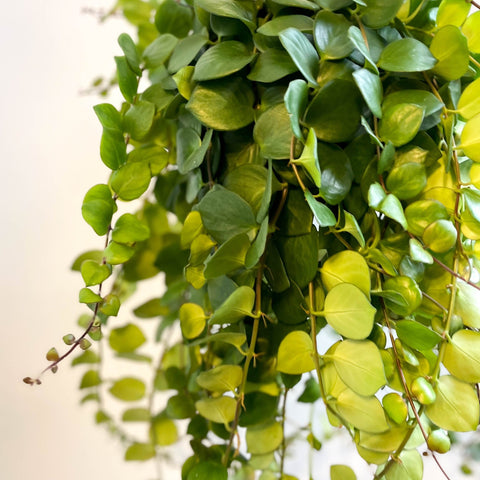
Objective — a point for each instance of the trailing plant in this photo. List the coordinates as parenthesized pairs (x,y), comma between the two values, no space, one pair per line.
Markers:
(308,174)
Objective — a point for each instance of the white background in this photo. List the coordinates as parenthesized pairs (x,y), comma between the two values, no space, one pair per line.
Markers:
(50,52)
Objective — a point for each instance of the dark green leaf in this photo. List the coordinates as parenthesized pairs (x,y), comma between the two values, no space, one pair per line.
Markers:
(302,52)
(371,89)
(174,17)
(323,215)
(296,99)
(278,24)
(185,51)
(223,104)
(190,149)
(406,55)
(271,65)
(159,50)
(241,10)
(331,35)
(379,13)
(130,51)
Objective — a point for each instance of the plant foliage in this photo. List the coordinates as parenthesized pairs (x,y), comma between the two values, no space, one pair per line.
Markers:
(308,174)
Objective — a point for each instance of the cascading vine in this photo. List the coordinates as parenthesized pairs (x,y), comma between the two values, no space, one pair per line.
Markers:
(309,177)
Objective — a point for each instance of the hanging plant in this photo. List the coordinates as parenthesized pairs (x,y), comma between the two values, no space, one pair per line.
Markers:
(309,175)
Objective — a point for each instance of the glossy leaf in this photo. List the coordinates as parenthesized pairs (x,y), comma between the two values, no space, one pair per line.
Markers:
(334,112)
(462,356)
(192,156)
(323,215)
(302,52)
(157,53)
(243,11)
(456,407)
(360,366)
(371,88)
(469,102)
(117,253)
(331,35)
(173,17)
(218,409)
(225,214)
(452,12)
(280,23)
(470,140)
(353,320)
(223,104)
(238,305)
(364,413)
(131,180)
(93,273)
(472,31)
(192,320)
(272,65)
(309,158)
(129,229)
(450,48)
(185,51)
(228,258)
(221,60)
(416,335)
(295,354)
(296,99)
(406,55)
(410,465)
(346,266)
(400,123)
(379,13)
(223,378)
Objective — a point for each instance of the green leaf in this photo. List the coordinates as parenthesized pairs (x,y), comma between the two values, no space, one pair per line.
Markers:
(422,98)
(192,156)
(309,158)
(218,409)
(136,415)
(257,248)
(126,339)
(208,470)
(400,123)
(241,10)
(302,52)
(334,4)
(359,365)
(225,214)
(456,407)
(470,139)
(109,117)
(113,149)
(264,438)
(93,273)
(278,24)
(331,35)
(221,60)
(158,52)
(90,378)
(139,452)
(87,357)
(422,213)
(407,180)
(296,98)
(371,89)
(351,226)
(450,48)
(402,295)
(128,389)
(356,37)
(274,142)
(87,296)
(225,104)
(387,204)
(271,65)
(342,472)
(471,29)
(238,305)
(163,431)
(308,4)
(130,51)
(346,266)
(174,17)
(323,215)
(364,413)
(418,253)
(409,465)
(337,173)
(462,356)
(180,406)
(98,207)
(469,102)
(452,12)
(131,180)
(185,51)
(440,236)
(406,55)
(379,13)
(224,378)
(295,353)
(158,96)
(416,335)
(139,119)
(127,80)
(192,320)
(334,112)
(129,229)
(353,320)
(117,253)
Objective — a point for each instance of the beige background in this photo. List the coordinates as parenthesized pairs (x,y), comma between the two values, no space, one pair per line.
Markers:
(49,158)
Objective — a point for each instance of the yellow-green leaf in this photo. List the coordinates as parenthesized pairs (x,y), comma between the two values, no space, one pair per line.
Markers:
(295,354)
